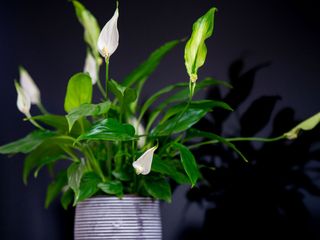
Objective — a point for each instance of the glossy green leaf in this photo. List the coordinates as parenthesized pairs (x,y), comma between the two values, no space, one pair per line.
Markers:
(26,144)
(158,187)
(196,51)
(113,188)
(110,129)
(189,163)
(75,172)
(306,125)
(177,120)
(197,133)
(79,91)
(55,188)
(66,198)
(88,185)
(124,94)
(90,25)
(143,71)
(46,153)
(170,168)
(86,110)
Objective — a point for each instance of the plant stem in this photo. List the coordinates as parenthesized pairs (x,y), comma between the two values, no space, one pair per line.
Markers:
(42,109)
(107,76)
(109,160)
(29,118)
(95,163)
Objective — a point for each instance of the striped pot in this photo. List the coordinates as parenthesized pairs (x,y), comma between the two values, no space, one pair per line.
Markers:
(131,217)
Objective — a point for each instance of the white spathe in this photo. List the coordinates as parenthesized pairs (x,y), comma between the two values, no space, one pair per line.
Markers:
(23,100)
(139,131)
(90,67)
(108,40)
(143,164)
(29,86)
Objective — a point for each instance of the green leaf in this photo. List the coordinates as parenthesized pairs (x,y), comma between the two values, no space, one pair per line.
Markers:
(46,153)
(306,125)
(79,91)
(87,110)
(144,70)
(196,51)
(26,144)
(110,129)
(113,187)
(125,95)
(197,133)
(55,188)
(189,163)
(90,25)
(60,123)
(176,121)
(158,187)
(88,186)
(66,198)
(171,168)
(75,172)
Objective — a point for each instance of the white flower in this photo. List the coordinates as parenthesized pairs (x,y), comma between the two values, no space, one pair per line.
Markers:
(23,100)
(143,164)
(29,86)
(139,131)
(108,40)
(90,66)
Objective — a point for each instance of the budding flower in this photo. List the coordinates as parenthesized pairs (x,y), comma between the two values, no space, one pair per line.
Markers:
(139,131)
(108,40)
(90,67)
(23,100)
(143,164)
(29,87)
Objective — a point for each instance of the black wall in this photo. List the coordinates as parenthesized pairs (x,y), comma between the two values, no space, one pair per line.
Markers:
(45,37)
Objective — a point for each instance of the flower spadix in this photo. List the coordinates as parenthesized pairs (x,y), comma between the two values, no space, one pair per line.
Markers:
(90,67)
(143,164)
(108,40)
(23,100)
(29,86)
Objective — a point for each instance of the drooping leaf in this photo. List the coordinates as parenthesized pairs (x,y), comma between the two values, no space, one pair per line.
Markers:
(170,168)
(144,70)
(55,188)
(197,133)
(306,125)
(79,91)
(26,144)
(75,172)
(87,110)
(113,187)
(60,123)
(110,129)
(196,51)
(177,119)
(66,198)
(90,25)
(158,187)
(46,153)
(88,185)
(189,163)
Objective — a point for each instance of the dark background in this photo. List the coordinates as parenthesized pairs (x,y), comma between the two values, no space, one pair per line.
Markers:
(45,37)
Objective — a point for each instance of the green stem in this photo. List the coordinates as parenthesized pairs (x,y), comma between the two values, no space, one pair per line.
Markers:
(42,109)
(109,160)
(107,76)
(29,118)
(103,93)
(95,163)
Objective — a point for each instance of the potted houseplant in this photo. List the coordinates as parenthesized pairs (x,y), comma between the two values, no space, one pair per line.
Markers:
(119,161)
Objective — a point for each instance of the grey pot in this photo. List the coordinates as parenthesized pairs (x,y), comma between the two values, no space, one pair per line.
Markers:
(131,217)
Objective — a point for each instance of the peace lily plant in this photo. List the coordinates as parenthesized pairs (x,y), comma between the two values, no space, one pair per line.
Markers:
(111,147)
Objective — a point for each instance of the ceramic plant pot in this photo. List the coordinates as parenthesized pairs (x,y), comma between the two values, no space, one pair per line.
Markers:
(131,217)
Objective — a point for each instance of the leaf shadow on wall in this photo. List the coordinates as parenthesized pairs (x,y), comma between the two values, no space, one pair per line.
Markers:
(264,197)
